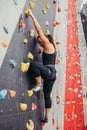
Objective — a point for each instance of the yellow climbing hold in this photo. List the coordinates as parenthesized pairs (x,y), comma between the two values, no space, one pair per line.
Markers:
(42,95)
(47,32)
(47,5)
(44,11)
(25,40)
(23,106)
(30,56)
(30,93)
(32,5)
(31,33)
(24,66)
(30,125)
(26,12)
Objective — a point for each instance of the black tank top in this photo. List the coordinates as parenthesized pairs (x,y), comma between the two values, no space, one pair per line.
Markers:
(48,59)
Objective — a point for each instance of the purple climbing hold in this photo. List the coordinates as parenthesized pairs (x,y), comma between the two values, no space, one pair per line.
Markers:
(3,93)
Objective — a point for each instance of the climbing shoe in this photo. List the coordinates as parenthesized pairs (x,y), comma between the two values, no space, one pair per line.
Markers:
(43,121)
(37,88)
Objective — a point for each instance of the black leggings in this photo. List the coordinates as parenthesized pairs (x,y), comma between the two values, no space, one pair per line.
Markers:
(48,73)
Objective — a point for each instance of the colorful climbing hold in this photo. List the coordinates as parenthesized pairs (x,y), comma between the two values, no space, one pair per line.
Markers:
(57,99)
(54,1)
(5,44)
(30,93)
(47,5)
(26,12)
(31,33)
(23,106)
(3,93)
(53,121)
(24,66)
(15,2)
(59,9)
(57,61)
(13,63)
(39,51)
(32,5)
(57,127)
(21,23)
(55,23)
(44,11)
(5,29)
(42,95)
(47,23)
(25,40)
(30,125)
(11,93)
(30,56)
(47,32)
(34,106)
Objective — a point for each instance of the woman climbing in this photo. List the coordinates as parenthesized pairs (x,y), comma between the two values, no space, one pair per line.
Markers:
(45,71)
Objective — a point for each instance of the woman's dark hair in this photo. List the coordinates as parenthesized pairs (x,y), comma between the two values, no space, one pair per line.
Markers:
(50,38)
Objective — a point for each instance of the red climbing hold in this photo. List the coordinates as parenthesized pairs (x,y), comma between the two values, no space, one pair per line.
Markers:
(53,121)
(54,1)
(57,127)
(59,9)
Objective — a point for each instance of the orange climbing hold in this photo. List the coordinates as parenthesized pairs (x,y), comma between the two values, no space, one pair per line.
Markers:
(22,25)
(12,93)
(5,44)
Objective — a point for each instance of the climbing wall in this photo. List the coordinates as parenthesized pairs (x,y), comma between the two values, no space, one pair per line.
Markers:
(17,104)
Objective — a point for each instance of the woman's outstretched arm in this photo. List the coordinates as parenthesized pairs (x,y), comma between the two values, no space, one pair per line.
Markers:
(38,27)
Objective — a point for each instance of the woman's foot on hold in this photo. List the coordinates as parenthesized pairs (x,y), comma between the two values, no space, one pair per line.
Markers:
(37,88)
(43,121)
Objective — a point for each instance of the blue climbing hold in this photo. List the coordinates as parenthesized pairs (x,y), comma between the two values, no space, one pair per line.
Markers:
(3,93)
(15,2)
(13,63)
(5,29)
